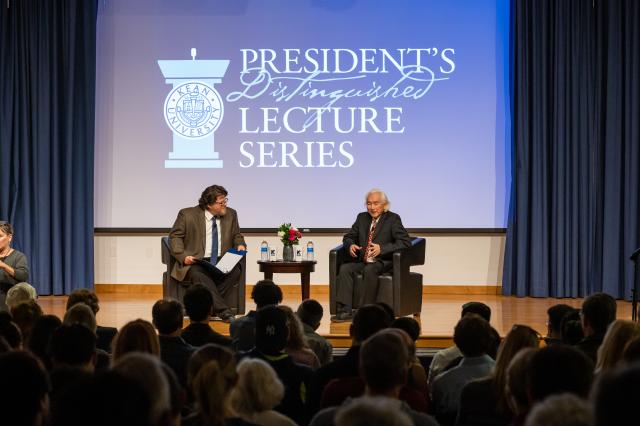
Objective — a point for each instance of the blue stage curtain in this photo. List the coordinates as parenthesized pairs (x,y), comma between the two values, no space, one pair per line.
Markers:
(574,214)
(47,107)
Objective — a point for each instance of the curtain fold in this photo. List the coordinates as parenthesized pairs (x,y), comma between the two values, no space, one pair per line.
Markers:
(47,108)
(574,209)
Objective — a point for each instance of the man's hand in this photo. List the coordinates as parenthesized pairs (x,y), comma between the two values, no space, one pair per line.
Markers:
(353,249)
(189,260)
(374,251)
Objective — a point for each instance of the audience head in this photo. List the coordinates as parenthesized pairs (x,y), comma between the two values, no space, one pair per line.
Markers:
(472,335)
(296,339)
(271,330)
(266,293)
(212,383)
(408,325)
(25,316)
(388,309)
(254,377)
(136,336)
(83,295)
(167,316)
(177,395)
(310,313)
(561,410)
(74,346)
(384,361)
(367,321)
(555,314)
(204,354)
(368,411)
(572,332)
(619,334)
(477,308)
(631,351)
(147,371)
(80,314)
(517,380)
(10,331)
(40,339)
(24,395)
(558,369)
(21,292)
(198,302)
(616,397)
(598,311)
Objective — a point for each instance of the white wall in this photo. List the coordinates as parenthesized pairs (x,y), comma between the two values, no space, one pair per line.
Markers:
(451,259)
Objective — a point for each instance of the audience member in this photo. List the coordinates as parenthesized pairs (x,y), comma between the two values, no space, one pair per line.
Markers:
(271,338)
(555,315)
(384,364)
(198,303)
(598,311)
(559,369)
(73,346)
(472,335)
(19,293)
(212,376)
(572,332)
(619,334)
(296,345)
(242,330)
(367,321)
(177,396)
(40,340)
(443,358)
(369,411)
(631,351)
(249,399)
(136,336)
(615,397)
(391,315)
(146,370)
(561,410)
(517,386)
(83,315)
(25,316)
(485,401)
(89,298)
(174,351)
(417,375)
(24,399)
(310,313)
(9,331)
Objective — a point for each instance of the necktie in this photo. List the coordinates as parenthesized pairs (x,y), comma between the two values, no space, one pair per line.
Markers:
(370,239)
(214,241)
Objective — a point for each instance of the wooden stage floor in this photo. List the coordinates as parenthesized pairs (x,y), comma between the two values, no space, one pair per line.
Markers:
(438,317)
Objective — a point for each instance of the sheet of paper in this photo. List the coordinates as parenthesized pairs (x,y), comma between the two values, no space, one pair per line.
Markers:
(228,261)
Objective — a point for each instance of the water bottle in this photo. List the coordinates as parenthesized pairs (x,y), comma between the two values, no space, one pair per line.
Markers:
(264,251)
(310,250)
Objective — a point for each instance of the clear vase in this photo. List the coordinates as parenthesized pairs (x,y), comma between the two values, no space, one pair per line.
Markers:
(287,253)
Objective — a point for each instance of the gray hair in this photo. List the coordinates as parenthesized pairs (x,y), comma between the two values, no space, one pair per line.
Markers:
(367,411)
(19,293)
(383,195)
(254,377)
(561,410)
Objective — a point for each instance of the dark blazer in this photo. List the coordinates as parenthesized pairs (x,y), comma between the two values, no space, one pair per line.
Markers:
(389,233)
(188,235)
(199,334)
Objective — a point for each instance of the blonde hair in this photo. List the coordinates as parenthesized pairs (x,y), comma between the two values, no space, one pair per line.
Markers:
(383,195)
(21,292)
(296,339)
(258,388)
(211,388)
(136,336)
(619,333)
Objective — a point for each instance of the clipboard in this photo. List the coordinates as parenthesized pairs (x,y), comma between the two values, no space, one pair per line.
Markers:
(225,264)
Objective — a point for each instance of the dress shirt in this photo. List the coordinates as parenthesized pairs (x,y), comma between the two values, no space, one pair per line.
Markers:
(207,248)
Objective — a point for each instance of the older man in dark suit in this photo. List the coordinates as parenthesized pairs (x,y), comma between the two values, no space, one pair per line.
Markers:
(371,241)
(207,231)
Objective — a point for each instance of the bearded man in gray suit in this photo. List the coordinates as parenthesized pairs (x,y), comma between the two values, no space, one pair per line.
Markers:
(207,231)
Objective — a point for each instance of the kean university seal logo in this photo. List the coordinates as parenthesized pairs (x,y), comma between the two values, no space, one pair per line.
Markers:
(193,110)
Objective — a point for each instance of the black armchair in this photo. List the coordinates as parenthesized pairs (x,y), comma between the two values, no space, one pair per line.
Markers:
(399,288)
(173,288)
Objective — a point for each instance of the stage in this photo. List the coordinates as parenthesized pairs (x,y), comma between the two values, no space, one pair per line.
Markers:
(440,312)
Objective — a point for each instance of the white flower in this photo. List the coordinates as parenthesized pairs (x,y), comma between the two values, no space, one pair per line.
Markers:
(295,229)
(280,234)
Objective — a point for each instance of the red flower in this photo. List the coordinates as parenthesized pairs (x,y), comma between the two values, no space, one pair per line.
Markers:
(292,238)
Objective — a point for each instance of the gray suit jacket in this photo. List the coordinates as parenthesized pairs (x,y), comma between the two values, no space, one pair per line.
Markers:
(389,233)
(188,235)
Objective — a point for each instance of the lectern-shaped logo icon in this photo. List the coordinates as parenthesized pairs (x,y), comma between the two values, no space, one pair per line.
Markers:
(193,110)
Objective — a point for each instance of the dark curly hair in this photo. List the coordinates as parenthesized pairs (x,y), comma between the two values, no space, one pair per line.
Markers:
(210,194)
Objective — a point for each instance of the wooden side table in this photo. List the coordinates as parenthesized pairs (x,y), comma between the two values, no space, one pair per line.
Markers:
(304,268)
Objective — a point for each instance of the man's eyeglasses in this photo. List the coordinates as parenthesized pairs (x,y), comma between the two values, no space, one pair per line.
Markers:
(223,202)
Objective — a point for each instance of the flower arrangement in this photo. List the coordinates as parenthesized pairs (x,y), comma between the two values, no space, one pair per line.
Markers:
(288,234)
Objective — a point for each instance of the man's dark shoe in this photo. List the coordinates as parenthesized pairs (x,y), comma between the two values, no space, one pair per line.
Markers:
(342,316)
(226,316)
